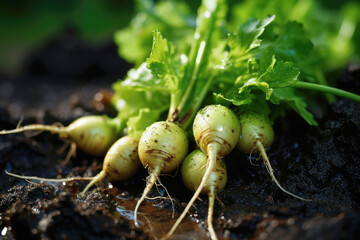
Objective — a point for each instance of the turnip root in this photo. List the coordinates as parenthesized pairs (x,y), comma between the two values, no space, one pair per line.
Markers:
(192,171)
(162,147)
(121,162)
(216,130)
(92,134)
(256,135)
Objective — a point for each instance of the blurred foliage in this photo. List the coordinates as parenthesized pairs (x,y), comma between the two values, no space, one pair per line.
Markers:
(26,24)
(333,26)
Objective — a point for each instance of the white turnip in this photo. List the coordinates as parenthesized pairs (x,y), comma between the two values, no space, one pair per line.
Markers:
(256,135)
(216,130)
(162,147)
(92,134)
(192,171)
(121,162)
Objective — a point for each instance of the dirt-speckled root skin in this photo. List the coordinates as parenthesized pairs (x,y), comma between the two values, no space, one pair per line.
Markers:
(121,162)
(212,152)
(92,134)
(216,123)
(254,127)
(192,172)
(162,147)
(163,144)
(216,131)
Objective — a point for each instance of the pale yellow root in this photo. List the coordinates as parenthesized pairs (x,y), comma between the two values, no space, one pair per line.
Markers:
(36,127)
(152,180)
(99,177)
(50,179)
(212,195)
(212,150)
(219,201)
(169,197)
(270,170)
(70,153)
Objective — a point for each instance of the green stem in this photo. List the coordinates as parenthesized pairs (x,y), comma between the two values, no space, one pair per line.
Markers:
(322,80)
(197,102)
(199,57)
(195,83)
(326,89)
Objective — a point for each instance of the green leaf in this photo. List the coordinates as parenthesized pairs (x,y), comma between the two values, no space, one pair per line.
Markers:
(232,96)
(271,74)
(128,101)
(253,83)
(239,56)
(146,116)
(247,36)
(162,63)
(293,44)
(142,79)
(287,95)
(173,18)
(140,90)
(281,75)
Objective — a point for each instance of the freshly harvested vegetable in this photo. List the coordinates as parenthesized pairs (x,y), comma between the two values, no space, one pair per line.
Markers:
(192,171)
(216,132)
(184,78)
(162,147)
(92,134)
(254,128)
(121,162)
(214,61)
(256,135)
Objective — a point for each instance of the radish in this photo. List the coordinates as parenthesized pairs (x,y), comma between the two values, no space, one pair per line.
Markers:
(92,134)
(162,147)
(192,171)
(256,135)
(216,130)
(121,162)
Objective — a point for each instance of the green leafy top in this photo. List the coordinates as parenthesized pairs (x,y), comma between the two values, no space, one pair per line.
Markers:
(260,65)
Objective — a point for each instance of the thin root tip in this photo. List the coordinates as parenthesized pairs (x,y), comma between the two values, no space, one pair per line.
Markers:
(137,224)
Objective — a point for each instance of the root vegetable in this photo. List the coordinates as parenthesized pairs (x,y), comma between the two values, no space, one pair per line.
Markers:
(121,162)
(92,134)
(216,131)
(192,171)
(162,147)
(256,135)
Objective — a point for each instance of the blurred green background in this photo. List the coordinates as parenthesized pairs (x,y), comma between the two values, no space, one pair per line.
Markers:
(27,24)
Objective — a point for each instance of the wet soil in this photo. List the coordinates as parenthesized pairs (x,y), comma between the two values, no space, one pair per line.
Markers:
(321,163)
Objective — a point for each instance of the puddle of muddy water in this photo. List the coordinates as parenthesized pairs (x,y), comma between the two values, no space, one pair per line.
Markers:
(156,222)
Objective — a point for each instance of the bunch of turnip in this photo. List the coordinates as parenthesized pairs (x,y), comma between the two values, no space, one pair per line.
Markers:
(188,81)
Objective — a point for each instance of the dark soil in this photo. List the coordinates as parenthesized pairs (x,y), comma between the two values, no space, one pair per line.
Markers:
(58,84)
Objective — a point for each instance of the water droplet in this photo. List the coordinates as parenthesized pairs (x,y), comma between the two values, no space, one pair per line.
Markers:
(219,128)
(126,213)
(4,231)
(35,210)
